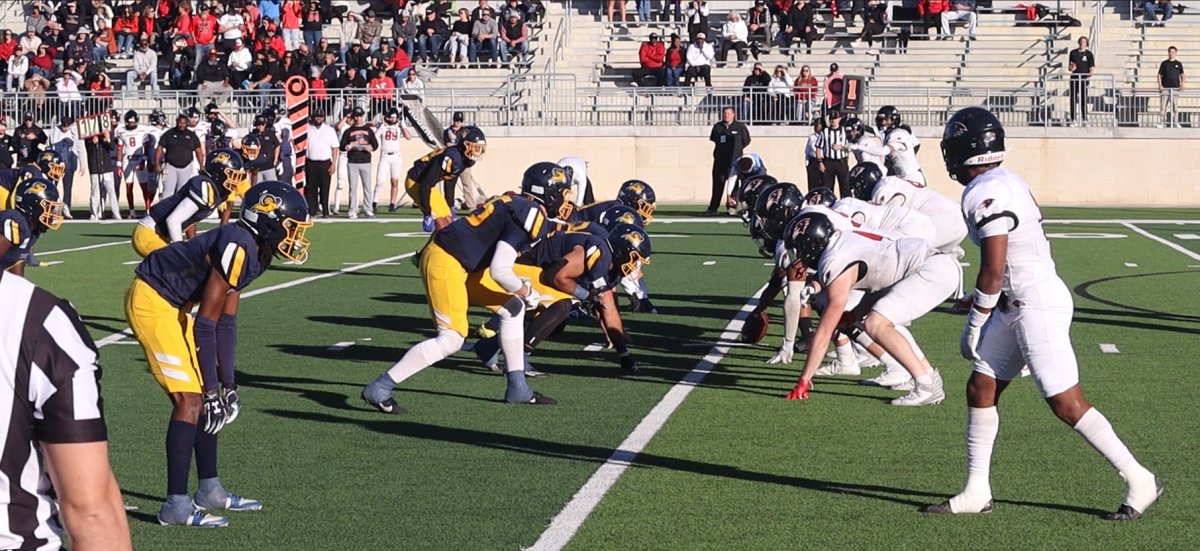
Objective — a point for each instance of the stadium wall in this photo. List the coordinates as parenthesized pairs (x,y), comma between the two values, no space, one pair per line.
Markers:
(1064,166)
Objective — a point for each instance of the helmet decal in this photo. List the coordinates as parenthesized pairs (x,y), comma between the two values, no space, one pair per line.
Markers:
(267,204)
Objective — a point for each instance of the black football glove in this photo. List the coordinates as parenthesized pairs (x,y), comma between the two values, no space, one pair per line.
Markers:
(628,365)
(591,306)
(233,404)
(214,412)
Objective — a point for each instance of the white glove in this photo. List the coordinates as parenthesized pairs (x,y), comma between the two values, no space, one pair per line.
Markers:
(784,356)
(809,291)
(532,300)
(969,340)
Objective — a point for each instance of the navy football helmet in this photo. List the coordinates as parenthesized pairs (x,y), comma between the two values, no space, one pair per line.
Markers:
(630,250)
(620,214)
(639,196)
(887,118)
(472,143)
(806,238)
(52,165)
(251,146)
(38,200)
(226,169)
(547,183)
(973,137)
(277,215)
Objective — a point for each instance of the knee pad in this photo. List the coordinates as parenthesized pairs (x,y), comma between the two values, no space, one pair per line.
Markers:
(448,342)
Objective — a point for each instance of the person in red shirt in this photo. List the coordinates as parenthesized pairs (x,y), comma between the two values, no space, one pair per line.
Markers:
(383,93)
(204,33)
(7,46)
(931,15)
(401,64)
(652,55)
(182,26)
(271,40)
(126,27)
(289,19)
(674,61)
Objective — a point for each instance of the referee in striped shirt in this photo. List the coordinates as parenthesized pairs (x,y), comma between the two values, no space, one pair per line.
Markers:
(50,407)
(834,162)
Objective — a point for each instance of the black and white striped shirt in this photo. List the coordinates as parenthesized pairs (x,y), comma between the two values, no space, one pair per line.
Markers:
(831,137)
(49,393)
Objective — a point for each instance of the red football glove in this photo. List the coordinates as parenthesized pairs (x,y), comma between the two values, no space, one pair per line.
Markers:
(801,390)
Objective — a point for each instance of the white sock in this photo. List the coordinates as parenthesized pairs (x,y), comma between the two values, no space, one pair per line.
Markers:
(845,353)
(982,426)
(1096,429)
(425,354)
(925,379)
(512,334)
(889,363)
(911,341)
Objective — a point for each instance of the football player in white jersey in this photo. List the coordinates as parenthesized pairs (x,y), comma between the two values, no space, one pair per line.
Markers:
(132,160)
(1018,295)
(868,183)
(581,184)
(862,135)
(903,279)
(899,149)
(391,163)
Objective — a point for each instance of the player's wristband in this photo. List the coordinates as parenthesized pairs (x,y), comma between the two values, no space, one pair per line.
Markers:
(580,293)
(984,300)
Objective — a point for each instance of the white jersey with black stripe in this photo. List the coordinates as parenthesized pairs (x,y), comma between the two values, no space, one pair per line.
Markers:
(998,202)
(881,261)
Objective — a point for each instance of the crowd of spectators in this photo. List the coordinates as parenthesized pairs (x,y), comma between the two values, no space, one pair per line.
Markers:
(221,45)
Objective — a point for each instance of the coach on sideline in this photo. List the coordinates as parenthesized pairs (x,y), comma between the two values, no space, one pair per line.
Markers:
(730,138)
(322,158)
(52,388)
(183,152)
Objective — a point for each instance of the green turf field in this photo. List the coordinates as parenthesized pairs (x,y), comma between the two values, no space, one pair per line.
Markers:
(735,467)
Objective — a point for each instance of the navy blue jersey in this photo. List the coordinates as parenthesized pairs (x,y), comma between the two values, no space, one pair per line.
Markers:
(597,257)
(200,190)
(15,229)
(442,165)
(592,212)
(10,176)
(510,218)
(180,271)
(261,162)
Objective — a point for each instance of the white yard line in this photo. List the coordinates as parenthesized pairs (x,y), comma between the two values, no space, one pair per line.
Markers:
(1173,245)
(87,248)
(111,339)
(568,521)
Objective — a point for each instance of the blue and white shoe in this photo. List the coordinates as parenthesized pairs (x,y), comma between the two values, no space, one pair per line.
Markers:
(230,503)
(380,396)
(199,519)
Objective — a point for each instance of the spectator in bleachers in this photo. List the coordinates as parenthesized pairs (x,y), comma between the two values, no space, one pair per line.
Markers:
(229,24)
(856,8)
(874,23)
(799,23)
(699,61)
(348,34)
(959,10)
(1171,81)
(240,62)
(204,33)
(145,68)
(125,28)
(931,14)
(82,48)
(672,5)
(329,69)
(780,96)
(1152,7)
(269,9)
(37,19)
(270,40)
(651,56)
(357,57)
(266,73)
(290,16)
(442,7)
(305,58)
(754,95)
(105,42)
(352,79)
(181,63)
(514,36)
(30,42)
(400,65)
(101,11)
(806,93)
(289,68)
(370,31)
(734,35)
(758,27)
(779,11)
(460,38)
(18,67)
(477,13)
(414,85)
(1082,65)
(404,30)
(674,62)
(382,90)
(313,25)
(616,5)
(147,30)
(182,25)
(433,33)
(380,59)
(643,9)
(212,75)
(42,63)
(697,19)
(485,32)
(68,17)
(833,87)
(8,45)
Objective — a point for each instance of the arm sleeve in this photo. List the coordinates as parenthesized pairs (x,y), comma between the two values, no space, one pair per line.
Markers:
(226,349)
(64,381)
(791,310)
(431,179)
(502,267)
(877,150)
(205,333)
(175,220)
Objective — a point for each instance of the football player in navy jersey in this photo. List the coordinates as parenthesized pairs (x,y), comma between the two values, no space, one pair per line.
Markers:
(471,261)
(185,354)
(170,219)
(443,165)
(10,177)
(35,209)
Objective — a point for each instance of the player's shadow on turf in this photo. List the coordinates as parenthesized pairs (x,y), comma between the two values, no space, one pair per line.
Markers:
(592,454)
(388,322)
(402,298)
(356,353)
(1084,290)
(705,255)
(105,235)
(91,321)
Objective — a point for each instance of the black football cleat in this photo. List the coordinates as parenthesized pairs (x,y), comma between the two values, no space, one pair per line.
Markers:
(388,406)
(635,304)
(943,508)
(1127,512)
(648,307)
(539,400)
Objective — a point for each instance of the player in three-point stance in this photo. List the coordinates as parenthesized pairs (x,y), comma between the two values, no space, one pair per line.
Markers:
(185,354)
(1021,316)
(35,209)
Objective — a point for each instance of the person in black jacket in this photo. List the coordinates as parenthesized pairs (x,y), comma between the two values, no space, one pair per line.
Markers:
(800,26)
(28,140)
(730,138)
(754,94)
(431,36)
(874,23)
(357,56)
(352,78)
(100,166)
(6,157)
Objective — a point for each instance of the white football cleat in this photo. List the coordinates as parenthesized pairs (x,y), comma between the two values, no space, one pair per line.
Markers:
(923,395)
(867,361)
(835,368)
(906,386)
(889,378)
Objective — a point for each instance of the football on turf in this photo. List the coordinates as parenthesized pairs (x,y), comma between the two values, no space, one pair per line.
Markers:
(755,328)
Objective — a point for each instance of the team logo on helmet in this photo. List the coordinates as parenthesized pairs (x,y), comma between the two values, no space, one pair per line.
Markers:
(955,129)
(267,204)
(37,188)
(221,157)
(636,188)
(634,238)
(627,218)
